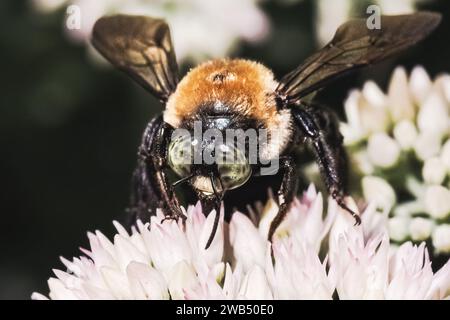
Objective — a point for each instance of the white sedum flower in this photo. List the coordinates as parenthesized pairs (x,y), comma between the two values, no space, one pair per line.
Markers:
(383,151)
(405,133)
(401,105)
(420,228)
(434,171)
(437,201)
(200,29)
(441,238)
(366,113)
(411,276)
(167,260)
(379,191)
(419,84)
(399,228)
(433,114)
(403,160)
(427,145)
(360,268)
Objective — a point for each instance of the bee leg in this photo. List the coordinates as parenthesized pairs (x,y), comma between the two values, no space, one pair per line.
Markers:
(286,193)
(321,129)
(151,188)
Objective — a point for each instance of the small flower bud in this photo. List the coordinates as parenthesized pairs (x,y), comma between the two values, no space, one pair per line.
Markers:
(379,191)
(437,201)
(398,228)
(445,155)
(383,151)
(433,114)
(362,162)
(400,100)
(419,84)
(374,95)
(441,238)
(420,228)
(409,208)
(405,133)
(365,116)
(434,171)
(427,145)
(442,84)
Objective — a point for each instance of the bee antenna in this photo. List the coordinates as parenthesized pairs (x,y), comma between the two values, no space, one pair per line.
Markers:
(182,180)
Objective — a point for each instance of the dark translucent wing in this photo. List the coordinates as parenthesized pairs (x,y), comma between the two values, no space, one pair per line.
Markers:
(354,46)
(141,47)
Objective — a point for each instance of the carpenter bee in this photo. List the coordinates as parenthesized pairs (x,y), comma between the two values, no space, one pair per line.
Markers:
(233,94)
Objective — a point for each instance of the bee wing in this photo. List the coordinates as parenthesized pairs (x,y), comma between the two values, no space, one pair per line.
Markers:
(141,47)
(354,45)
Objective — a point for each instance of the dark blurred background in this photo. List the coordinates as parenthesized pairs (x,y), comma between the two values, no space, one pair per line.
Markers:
(69,128)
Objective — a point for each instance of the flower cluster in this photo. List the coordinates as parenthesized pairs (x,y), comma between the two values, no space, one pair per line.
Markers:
(199,29)
(400,150)
(163,260)
(332,13)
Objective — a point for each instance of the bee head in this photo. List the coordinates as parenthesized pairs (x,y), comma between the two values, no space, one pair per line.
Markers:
(213,160)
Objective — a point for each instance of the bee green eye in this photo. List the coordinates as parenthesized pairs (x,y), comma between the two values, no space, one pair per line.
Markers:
(180,154)
(234,168)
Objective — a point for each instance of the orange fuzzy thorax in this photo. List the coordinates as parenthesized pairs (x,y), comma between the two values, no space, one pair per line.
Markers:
(243,86)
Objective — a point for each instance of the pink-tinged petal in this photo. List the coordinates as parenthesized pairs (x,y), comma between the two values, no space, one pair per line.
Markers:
(103,243)
(249,247)
(120,229)
(268,213)
(440,286)
(306,223)
(214,253)
(208,286)
(71,266)
(344,224)
(411,275)
(61,275)
(96,293)
(169,259)
(255,285)
(232,281)
(181,278)
(297,263)
(127,252)
(358,267)
(373,221)
(59,292)
(167,245)
(146,283)
(38,296)
(116,282)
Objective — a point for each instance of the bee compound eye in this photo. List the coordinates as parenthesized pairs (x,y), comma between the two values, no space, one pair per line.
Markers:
(234,169)
(180,155)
